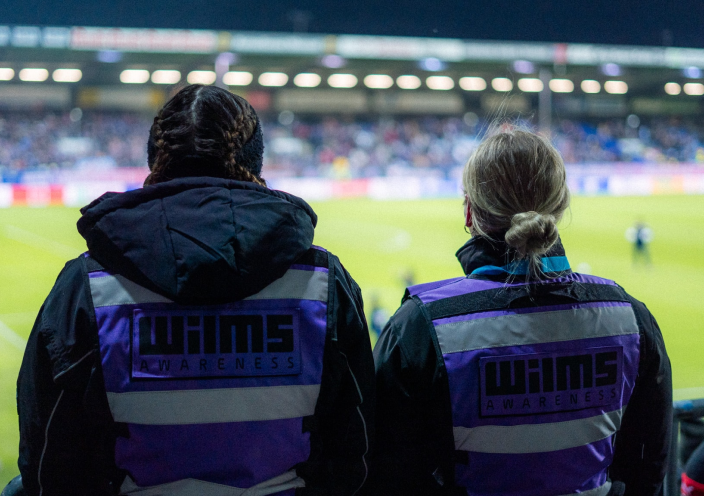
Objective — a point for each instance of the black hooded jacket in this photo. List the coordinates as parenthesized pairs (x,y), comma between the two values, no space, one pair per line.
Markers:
(415,452)
(195,241)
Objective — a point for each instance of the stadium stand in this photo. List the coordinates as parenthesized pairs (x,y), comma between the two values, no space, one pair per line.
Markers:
(335,147)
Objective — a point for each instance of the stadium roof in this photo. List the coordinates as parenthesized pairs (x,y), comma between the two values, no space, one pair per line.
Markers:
(89,67)
(348,46)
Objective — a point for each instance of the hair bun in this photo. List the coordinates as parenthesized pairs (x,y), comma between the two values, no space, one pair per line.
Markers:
(531,233)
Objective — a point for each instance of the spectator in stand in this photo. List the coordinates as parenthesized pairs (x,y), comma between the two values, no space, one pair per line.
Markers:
(333,147)
(522,378)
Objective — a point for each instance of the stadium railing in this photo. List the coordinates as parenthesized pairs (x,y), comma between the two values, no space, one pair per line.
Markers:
(683,410)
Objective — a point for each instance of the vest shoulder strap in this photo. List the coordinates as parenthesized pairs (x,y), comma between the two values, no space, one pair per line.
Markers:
(316,257)
(529,295)
(92,264)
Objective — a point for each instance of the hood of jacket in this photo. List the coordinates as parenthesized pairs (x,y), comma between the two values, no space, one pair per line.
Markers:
(199,240)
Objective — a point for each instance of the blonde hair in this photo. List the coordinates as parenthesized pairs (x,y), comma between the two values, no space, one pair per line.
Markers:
(516,185)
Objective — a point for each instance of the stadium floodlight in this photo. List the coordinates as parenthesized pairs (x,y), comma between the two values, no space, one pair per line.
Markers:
(440,83)
(342,80)
(695,89)
(673,88)
(378,81)
(611,69)
(591,86)
(273,79)
(109,56)
(692,72)
(530,85)
(408,82)
(333,61)
(201,77)
(502,84)
(523,67)
(307,80)
(561,85)
(67,75)
(6,73)
(470,83)
(237,78)
(432,64)
(616,87)
(134,76)
(165,76)
(34,74)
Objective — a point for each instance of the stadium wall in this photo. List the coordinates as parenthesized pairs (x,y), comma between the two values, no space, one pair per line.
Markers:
(75,188)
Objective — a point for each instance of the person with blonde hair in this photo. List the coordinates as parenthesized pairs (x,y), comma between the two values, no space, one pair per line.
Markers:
(522,377)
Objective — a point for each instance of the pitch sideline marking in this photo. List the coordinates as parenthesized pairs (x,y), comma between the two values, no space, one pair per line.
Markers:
(36,241)
(12,337)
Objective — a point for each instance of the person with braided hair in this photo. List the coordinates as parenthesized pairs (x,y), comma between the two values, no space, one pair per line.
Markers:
(202,345)
(522,378)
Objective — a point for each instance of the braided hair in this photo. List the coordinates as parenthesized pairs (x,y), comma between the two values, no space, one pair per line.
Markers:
(205,131)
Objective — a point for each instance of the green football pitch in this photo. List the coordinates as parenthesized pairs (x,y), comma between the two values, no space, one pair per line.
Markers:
(380,243)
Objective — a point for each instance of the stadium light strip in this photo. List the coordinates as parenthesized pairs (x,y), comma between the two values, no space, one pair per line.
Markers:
(469,83)
(673,88)
(67,75)
(591,86)
(166,76)
(134,76)
(307,80)
(408,82)
(34,74)
(378,81)
(694,89)
(530,85)
(616,87)
(201,77)
(561,85)
(342,80)
(502,84)
(273,79)
(441,83)
(237,78)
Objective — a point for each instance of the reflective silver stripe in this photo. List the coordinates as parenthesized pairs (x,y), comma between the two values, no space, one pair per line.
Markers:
(116,290)
(534,328)
(205,406)
(597,491)
(295,284)
(537,438)
(194,487)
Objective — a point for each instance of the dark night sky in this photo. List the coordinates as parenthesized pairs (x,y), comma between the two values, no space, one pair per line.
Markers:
(638,22)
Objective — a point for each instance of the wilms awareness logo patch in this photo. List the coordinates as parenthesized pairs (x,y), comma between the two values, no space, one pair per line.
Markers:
(177,344)
(551,382)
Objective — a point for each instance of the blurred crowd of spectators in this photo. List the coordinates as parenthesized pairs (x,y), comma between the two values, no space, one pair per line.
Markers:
(338,147)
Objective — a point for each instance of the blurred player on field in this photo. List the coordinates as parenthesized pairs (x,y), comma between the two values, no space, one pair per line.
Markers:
(641,236)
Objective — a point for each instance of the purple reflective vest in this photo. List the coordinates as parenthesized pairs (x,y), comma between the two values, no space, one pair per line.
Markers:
(538,392)
(213,397)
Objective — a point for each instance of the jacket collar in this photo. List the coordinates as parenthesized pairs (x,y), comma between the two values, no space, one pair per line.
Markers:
(483,257)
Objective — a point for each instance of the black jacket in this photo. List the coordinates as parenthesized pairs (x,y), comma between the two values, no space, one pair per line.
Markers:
(415,446)
(194,240)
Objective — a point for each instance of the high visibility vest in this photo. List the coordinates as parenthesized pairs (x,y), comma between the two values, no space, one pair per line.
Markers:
(213,397)
(539,378)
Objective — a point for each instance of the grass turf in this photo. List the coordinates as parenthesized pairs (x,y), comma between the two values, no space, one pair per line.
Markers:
(380,243)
